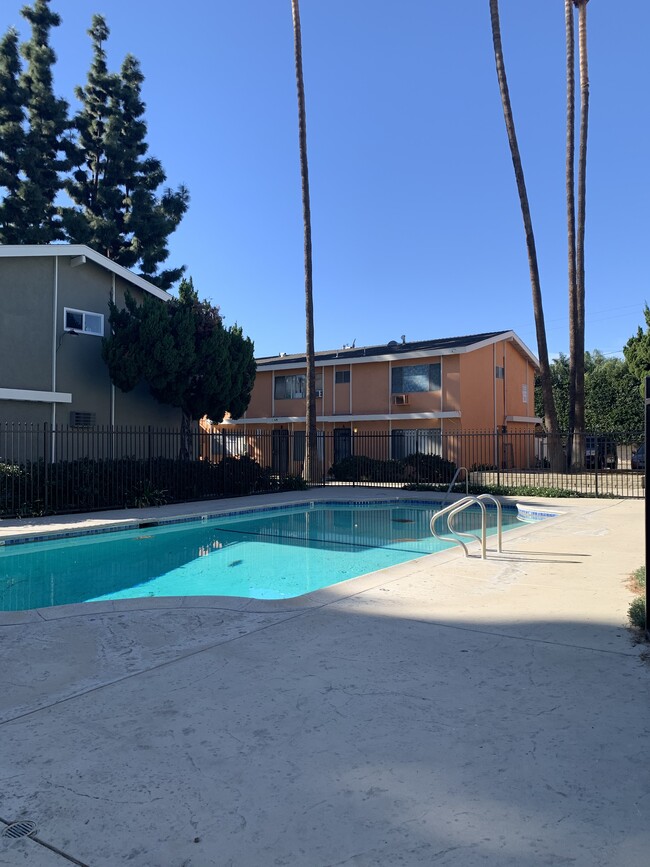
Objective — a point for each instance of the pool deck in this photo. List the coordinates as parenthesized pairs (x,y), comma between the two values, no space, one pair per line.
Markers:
(445,711)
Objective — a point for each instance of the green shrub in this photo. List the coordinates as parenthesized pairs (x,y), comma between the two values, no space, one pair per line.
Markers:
(243,475)
(414,467)
(504,490)
(292,483)
(360,468)
(144,495)
(10,470)
(87,484)
(636,613)
(638,578)
(428,468)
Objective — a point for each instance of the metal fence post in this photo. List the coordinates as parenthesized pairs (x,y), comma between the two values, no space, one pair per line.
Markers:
(498,455)
(647,508)
(149,457)
(46,460)
(223,462)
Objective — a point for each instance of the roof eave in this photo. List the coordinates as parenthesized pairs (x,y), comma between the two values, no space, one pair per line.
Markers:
(73,250)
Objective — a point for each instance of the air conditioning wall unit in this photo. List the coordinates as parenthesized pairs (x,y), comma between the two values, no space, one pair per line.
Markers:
(319,392)
(400,399)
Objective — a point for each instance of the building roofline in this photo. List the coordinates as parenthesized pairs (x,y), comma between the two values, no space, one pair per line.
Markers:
(73,250)
(386,352)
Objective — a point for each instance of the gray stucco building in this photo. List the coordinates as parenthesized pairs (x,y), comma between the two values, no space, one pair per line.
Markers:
(53,315)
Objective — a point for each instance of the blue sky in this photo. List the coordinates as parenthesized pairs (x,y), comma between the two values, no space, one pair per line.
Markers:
(416,222)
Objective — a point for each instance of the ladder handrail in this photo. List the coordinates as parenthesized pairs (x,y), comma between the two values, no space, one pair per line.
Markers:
(499,517)
(459,506)
(466,501)
(453,482)
(473,536)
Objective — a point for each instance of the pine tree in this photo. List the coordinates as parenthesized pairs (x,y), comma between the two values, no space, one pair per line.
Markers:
(12,139)
(95,155)
(46,144)
(115,183)
(149,218)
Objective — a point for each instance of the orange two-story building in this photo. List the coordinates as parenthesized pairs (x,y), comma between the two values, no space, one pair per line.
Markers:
(409,394)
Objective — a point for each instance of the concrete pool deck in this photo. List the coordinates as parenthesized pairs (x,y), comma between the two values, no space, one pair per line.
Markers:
(446,711)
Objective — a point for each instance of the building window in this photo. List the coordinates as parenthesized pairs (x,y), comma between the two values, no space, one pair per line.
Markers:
(341,377)
(500,373)
(405,442)
(292,387)
(524,393)
(288,387)
(83,322)
(418,377)
(235,444)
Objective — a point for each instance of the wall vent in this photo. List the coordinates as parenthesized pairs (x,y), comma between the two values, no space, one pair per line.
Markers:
(83,419)
(400,399)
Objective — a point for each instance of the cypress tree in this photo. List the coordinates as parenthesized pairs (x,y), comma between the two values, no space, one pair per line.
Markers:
(185,355)
(241,352)
(46,145)
(12,139)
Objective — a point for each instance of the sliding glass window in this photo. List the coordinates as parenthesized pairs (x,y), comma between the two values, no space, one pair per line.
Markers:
(416,377)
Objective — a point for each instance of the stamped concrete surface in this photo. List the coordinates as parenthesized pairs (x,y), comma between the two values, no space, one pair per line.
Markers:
(445,711)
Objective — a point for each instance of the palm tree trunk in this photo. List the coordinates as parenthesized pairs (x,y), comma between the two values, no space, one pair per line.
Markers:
(310,470)
(550,414)
(571,217)
(580,236)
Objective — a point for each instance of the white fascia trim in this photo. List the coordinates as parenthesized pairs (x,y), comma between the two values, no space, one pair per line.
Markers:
(366,359)
(525,419)
(406,416)
(36,396)
(74,251)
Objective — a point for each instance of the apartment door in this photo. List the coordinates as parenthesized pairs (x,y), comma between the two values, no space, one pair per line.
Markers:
(280,451)
(342,443)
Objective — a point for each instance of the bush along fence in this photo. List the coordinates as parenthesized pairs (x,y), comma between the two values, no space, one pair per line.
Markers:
(46,470)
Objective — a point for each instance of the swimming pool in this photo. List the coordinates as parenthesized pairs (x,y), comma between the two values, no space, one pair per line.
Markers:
(275,553)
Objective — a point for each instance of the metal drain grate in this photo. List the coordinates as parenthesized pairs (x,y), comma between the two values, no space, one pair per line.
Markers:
(18,830)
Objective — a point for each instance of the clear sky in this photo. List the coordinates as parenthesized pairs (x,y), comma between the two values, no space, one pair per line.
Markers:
(416,221)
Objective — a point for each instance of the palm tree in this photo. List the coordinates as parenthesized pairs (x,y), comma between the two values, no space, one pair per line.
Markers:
(311,449)
(580,235)
(571,218)
(550,414)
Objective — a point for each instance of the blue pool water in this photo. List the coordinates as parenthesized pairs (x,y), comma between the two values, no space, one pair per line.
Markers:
(266,555)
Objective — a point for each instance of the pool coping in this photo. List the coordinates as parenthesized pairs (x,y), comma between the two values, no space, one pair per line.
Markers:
(314,599)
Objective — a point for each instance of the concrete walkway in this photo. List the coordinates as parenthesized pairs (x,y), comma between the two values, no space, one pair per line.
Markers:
(445,711)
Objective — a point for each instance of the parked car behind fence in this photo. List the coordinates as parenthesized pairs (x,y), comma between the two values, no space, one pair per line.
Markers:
(600,453)
(637,461)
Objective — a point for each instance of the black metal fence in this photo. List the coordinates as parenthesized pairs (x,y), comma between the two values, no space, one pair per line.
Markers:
(45,470)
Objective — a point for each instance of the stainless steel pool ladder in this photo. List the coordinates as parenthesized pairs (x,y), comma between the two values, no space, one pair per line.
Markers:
(453,482)
(450,512)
